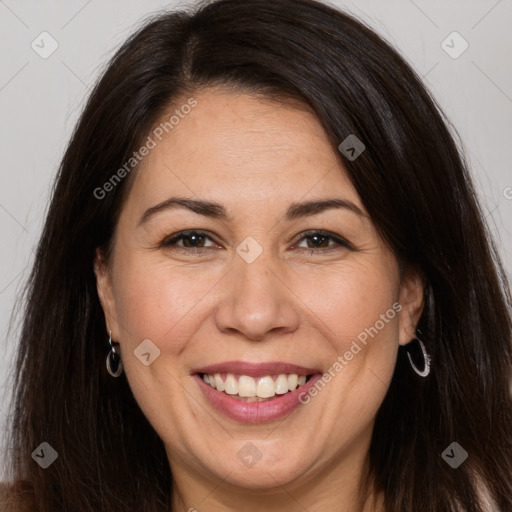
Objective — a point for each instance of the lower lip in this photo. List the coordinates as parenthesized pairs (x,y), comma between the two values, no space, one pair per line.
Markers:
(256,412)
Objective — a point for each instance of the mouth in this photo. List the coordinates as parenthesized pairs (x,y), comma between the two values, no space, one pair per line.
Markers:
(255,392)
(255,389)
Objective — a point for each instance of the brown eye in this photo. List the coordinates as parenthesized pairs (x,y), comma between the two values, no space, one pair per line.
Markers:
(321,240)
(189,239)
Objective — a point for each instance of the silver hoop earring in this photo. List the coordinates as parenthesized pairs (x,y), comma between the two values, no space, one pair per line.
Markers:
(113,361)
(426,359)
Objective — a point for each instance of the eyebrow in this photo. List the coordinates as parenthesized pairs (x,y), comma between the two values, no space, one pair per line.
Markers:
(217,211)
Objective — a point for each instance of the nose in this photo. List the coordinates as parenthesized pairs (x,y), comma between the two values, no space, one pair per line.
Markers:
(256,301)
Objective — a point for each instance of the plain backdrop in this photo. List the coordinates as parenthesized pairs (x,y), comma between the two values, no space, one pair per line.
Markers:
(40,100)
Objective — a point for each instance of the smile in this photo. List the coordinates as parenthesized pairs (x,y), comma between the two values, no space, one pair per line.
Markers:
(255,392)
(249,389)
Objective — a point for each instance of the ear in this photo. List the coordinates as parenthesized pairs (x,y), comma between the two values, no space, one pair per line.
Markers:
(411,298)
(105,293)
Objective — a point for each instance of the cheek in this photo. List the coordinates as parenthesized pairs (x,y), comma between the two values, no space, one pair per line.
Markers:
(356,310)
(356,301)
(158,302)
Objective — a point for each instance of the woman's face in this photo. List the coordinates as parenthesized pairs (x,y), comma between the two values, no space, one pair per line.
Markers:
(256,297)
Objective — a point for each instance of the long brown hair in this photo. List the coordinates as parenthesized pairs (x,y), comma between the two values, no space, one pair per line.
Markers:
(412,181)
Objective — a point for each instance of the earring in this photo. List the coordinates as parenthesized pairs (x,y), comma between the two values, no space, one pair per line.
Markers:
(113,361)
(426,358)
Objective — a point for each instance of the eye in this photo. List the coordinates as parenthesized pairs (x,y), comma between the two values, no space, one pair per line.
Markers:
(194,240)
(320,240)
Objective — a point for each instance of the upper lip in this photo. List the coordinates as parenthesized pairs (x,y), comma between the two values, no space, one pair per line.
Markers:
(256,369)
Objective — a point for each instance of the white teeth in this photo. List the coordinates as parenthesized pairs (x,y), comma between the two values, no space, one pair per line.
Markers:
(250,389)
(281,385)
(219,383)
(293,380)
(266,387)
(246,386)
(231,386)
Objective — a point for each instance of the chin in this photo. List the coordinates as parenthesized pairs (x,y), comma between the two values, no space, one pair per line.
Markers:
(264,479)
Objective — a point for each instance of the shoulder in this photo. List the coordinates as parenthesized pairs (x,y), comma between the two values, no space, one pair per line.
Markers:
(17,497)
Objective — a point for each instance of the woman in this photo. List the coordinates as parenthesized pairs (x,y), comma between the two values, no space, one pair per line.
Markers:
(264,283)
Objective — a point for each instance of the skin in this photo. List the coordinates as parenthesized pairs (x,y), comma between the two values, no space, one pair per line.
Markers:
(296,302)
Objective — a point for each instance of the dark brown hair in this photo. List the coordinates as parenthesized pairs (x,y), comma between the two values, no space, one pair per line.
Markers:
(412,181)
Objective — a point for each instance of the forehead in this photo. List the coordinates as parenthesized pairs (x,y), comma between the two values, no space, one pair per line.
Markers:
(239,148)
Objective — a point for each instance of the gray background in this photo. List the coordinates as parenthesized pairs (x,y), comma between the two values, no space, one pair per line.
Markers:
(40,100)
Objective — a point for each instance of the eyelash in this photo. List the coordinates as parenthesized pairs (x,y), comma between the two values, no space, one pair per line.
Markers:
(340,243)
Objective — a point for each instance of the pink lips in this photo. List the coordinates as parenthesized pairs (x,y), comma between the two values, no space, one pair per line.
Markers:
(255,412)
